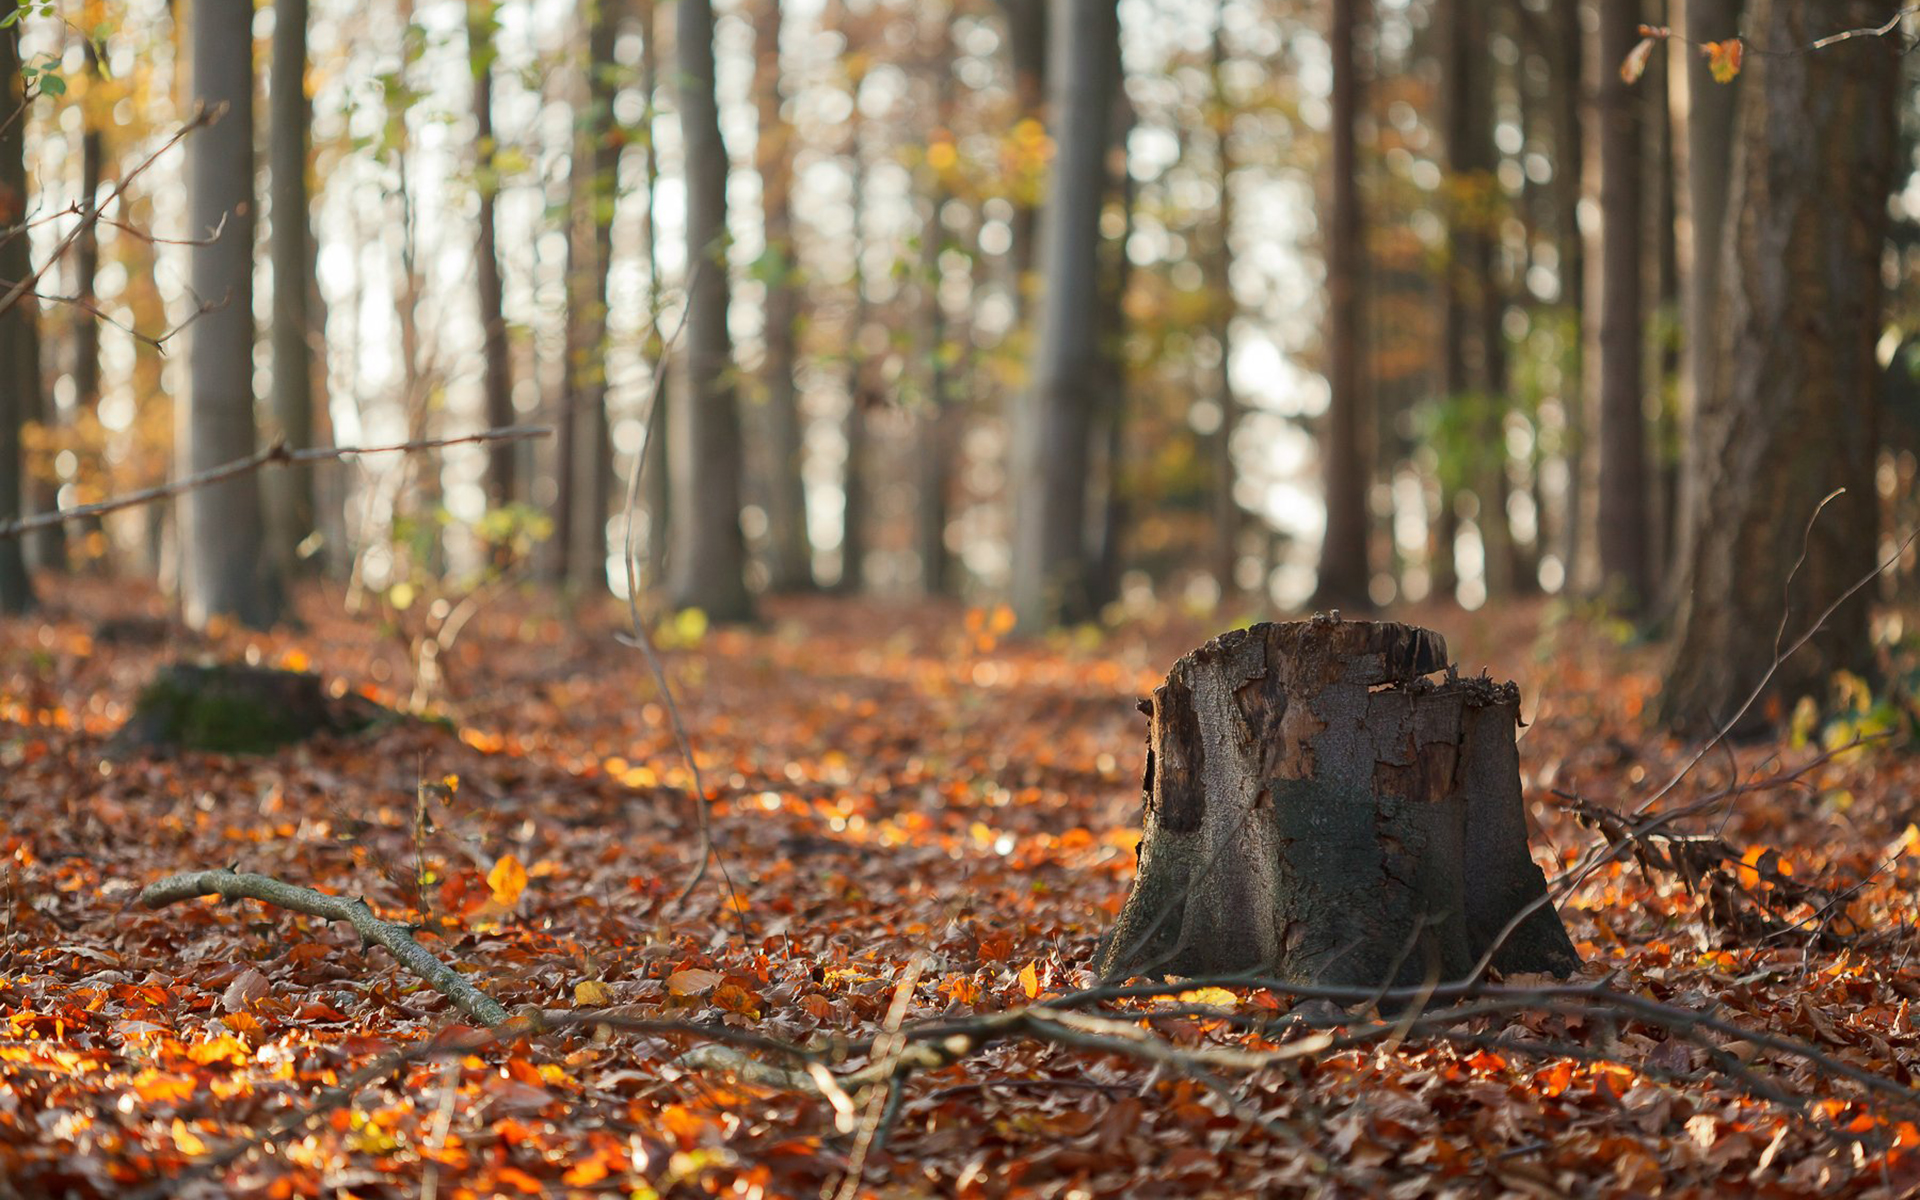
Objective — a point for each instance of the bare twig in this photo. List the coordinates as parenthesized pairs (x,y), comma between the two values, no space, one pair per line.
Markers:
(275,454)
(202,116)
(396,938)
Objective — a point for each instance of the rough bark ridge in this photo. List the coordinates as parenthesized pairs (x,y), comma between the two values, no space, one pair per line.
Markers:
(1318,809)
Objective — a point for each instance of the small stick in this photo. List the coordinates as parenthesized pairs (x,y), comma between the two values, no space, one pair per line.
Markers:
(396,938)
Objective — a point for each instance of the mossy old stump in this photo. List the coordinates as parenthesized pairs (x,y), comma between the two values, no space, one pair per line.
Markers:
(1319,809)
(230,708)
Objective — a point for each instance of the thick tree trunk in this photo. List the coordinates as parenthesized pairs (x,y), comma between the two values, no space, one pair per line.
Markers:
(1319,809)
(1343,554)
(221,529)
(1052,446)
(496,377)
(709,554)
(1792,413)
(789,550)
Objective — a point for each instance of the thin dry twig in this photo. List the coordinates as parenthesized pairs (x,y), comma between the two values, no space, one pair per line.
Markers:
(276,453)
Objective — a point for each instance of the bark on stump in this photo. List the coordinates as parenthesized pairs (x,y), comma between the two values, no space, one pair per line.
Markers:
(1318,809)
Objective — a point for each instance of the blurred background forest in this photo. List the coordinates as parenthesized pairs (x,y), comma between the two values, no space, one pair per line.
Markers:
(1244,305)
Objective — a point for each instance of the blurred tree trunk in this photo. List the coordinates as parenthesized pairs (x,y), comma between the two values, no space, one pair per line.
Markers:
(659,483)
(1792,412)
(709,554)
(1110,511)
(1476,344)
(583,453)
(789,552)
(1027,49)
(1617,457)
(1221,309)
(496,369)
(19,381)
(290,119)
(935,422)
(1343,554)
(853,427)
(1052,445)
(221,530)
(1570,150)
(1702,115)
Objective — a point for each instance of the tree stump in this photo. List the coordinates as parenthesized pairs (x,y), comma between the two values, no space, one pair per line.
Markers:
(1319,809)
(230,708)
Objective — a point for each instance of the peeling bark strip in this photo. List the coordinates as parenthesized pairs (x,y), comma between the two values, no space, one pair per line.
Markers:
(1319,809)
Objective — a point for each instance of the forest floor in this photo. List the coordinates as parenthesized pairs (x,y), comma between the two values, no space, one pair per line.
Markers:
(923,820)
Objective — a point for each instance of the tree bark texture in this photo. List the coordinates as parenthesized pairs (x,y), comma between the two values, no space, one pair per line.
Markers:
(1052,447)
(222,529)
(19,381)
(1793,411)
(1316,807)
(709,553)
(1343,554)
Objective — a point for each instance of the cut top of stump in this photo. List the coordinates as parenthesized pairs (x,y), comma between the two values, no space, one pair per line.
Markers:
(1326,650)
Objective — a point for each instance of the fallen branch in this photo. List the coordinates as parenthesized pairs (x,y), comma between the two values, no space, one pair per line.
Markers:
(274,454)
(396,938)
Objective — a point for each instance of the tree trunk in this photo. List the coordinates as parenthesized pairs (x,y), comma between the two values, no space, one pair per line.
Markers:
(1318,809)
(291,503)
(1569,148)
(496,370)
(1110,505)
(584,466)
(221,530)
(853,425)
(1221,306)
(1702,115)
(1027,49)
(1793,412)
(789,550)
(19,383)
(709,554)
(658,476)
(1343,554)
(1052,447)
(1619,468)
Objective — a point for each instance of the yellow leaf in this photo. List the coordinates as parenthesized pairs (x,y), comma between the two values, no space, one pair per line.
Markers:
(1030,981)
(1635,64)
(591,993)
(1216,996)
(507,879)
(186,1140)
(1724,58)
(693,981)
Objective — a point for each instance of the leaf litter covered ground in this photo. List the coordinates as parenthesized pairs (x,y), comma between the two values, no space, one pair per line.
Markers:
(924,824)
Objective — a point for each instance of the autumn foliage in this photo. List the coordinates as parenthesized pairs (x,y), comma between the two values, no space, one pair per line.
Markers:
(918,821)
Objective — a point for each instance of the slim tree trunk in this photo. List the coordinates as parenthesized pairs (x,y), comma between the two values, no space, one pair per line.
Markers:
(1792,413)
(709,554)
(1027,49)
(86,272)
(585,461)
(19,381)
(1569,147)
(1051,450)
(221,529)
(496,369)
(289,123)
(659,482)
(1614,307)
(1343,555)
(1703,119)
(1110,511)
(789,551)
(935,421)
(853,427)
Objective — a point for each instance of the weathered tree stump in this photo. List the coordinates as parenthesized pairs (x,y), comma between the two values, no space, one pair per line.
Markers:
(230,708)
(1319,809)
